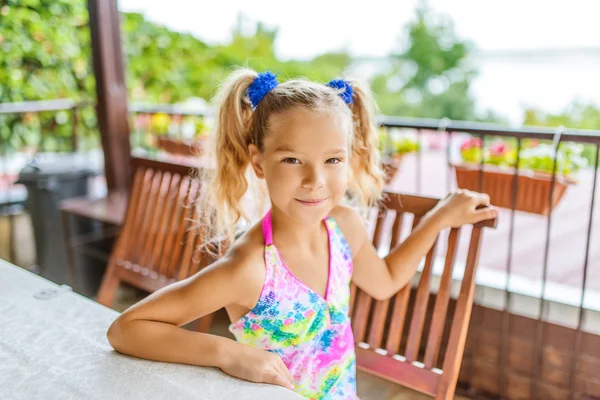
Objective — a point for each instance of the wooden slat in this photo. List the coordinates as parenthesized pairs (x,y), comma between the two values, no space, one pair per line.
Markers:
(416,222)
(438,320)
(396,230)
(378,323)
(191,240)
(147,202)
(400,309)
(361,315)
(180,225)
(416,205)
(149,235)
(190,215)
(174,225)
(155,165)
(378,234)
(363,302)
(396,326)
(381,307)
(165,226)
(460,322)
(131,215)
(140,207)
(407,374)
(420,307)
(420,205)
(353,290)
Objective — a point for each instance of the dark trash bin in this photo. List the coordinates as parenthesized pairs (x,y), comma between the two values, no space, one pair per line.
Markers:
(49,179)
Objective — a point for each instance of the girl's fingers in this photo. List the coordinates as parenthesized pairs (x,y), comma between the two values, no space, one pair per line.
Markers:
(276,378)
(486,213)
(283,369)
(484,199)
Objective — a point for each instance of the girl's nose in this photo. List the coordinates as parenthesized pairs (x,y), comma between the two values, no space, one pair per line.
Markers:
(314,179)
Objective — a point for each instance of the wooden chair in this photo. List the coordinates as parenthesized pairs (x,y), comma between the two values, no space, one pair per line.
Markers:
(158,241)
(381,327)
(108,211)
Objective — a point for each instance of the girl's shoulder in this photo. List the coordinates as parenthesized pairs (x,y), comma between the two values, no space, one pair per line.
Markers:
(244,263)
(247,252)
(352,226)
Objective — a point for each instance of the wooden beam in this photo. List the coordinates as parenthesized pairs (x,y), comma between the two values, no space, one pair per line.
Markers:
(111,92)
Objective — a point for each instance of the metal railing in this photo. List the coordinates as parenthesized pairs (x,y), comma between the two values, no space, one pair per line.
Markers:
(557,136)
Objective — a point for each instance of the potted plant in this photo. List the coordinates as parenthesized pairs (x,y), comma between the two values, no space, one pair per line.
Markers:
(393,149)
(201,133)
(159,129)
(534,179)
(160,126)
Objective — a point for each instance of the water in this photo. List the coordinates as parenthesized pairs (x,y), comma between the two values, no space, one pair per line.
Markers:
(508,83)
(548,82)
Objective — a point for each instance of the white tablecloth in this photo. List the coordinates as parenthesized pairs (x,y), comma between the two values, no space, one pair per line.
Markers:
(56,348)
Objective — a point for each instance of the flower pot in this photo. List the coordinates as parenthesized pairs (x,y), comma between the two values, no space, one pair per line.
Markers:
(180,147)
(533,190)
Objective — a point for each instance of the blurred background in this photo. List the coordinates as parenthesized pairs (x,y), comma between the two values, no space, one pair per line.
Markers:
(509,87)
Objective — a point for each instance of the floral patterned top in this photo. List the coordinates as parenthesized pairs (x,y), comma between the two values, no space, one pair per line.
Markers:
(311,333)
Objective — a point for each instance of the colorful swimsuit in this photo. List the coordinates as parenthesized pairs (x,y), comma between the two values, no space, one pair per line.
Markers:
(311,334)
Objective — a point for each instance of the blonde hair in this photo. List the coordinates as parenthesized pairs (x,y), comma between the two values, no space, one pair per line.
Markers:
(238,126)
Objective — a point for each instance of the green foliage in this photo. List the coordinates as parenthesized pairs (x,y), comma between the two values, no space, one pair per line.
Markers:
(392,144)
(429,79)
(42,57)
(577,116)
(534,156)
(194,69)
(46,54)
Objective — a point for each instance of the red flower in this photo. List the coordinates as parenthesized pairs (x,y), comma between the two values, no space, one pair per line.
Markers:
(498,148)
(471,143)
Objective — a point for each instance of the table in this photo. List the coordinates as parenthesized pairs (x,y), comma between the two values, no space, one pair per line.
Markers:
(53,346)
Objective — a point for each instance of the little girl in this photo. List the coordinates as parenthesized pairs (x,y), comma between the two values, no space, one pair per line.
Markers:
(285,283)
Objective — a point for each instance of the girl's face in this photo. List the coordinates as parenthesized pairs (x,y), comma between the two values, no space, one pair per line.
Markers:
(304,163)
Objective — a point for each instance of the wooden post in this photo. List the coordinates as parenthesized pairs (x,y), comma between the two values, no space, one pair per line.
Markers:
(111,92)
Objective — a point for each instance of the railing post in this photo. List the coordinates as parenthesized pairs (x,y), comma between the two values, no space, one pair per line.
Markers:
(111,92)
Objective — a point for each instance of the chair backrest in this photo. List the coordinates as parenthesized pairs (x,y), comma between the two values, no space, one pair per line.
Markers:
(389,336)
(159,240)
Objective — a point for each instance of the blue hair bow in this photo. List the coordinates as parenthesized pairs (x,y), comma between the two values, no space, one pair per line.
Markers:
(347,91)
(262,84)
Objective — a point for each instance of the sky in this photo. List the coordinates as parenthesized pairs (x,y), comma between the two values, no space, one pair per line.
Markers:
(507,84)
(374,28)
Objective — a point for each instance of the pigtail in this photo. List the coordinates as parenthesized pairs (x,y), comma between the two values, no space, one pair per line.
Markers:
(222,199)
(367,182)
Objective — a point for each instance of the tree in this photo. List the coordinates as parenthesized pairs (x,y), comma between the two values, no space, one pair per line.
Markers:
(430,77)
(46,54)
(42,57)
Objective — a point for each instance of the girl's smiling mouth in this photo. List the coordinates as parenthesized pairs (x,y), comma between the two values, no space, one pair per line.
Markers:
(311,202)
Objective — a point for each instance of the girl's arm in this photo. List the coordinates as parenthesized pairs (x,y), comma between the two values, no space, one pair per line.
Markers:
(151,329)
(382,278)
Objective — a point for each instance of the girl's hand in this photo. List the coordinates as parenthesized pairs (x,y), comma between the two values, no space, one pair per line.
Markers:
(256,365)
(464,207)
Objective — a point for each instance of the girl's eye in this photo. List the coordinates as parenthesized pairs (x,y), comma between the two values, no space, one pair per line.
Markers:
(291,160)
(333,161)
